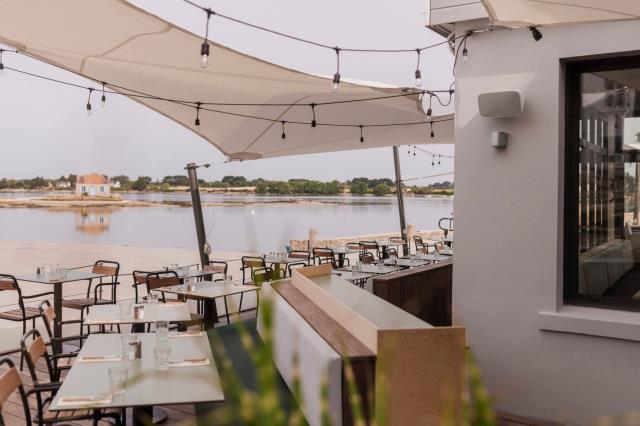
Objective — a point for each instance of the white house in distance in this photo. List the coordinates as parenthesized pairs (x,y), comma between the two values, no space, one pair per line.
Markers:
(94,185)
(546,279)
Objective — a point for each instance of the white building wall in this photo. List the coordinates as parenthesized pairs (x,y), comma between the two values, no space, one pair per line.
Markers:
(508,211)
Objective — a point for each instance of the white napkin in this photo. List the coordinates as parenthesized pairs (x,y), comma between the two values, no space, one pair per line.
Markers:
(84,400)
(100,358)
(186,334)
(189,362)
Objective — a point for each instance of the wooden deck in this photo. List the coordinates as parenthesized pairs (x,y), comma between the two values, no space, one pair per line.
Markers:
(13,412)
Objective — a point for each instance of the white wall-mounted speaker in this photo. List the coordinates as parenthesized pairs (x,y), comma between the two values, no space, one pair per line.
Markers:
(509,103)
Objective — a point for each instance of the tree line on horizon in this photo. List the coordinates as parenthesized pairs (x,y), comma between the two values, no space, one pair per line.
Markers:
(356,186)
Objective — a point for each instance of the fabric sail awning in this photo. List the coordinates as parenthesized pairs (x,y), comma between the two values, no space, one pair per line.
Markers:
(518,13)
(115,42)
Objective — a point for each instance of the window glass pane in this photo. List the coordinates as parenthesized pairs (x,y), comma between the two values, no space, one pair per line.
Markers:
(608,180)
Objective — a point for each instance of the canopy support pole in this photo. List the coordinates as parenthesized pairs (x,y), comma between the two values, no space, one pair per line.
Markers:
(403,224)
(197,212)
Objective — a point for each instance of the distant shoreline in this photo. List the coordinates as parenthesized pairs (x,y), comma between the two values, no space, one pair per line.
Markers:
(62,200)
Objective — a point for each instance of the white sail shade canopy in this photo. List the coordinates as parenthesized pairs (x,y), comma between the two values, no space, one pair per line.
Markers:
(130,49)
(518,13)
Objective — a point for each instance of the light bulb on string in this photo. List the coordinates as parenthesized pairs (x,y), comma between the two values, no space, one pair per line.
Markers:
(204,47)
(336,76)
(433,160)
(89,111)
(284,135)
(439,159)
(314,123)
(433,135)
(414,150)
(409,149)
(197,121)
(103,99)
(361,135)
(429,110)
(465,52)
(1,64)
(418,74)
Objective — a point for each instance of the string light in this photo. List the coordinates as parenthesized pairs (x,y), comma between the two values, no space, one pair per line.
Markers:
(418,74)
(433,135)
(284,136)
(314,123)
(535,33)
(465,52)
(103,100)
(1,64)
(429,110)
(336,76)
(433,160)
(409,149)
(204,47)
(361,135)
(438,158)
(89,112)
(414,150)
(197,122)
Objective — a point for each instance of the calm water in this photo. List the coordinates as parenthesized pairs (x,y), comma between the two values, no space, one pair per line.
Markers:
(257,227)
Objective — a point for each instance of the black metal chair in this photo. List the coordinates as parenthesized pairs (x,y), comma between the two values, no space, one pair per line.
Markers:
(22,313)
(304,256)
(422,248)
(61,360)
(372,247)
(367,258)
(34,348)
(156,280)
(259,272)
(216,267)
(323,255)
(111,270)
(417,239)
(392,251)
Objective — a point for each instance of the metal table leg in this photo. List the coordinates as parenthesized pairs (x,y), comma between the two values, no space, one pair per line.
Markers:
(57,308)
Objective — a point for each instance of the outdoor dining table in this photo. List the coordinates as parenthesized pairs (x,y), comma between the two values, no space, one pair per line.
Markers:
(342,252)
(385,244)
(57,280)
(208,292)
(436,257)
(110,315)
(87,383)
(375,269)
(406,262)
(354,277)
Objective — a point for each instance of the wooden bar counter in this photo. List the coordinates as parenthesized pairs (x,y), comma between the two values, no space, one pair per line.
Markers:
(406,371)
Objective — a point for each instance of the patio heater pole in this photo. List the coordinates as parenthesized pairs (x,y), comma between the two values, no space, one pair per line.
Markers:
(197,211)
(403,223)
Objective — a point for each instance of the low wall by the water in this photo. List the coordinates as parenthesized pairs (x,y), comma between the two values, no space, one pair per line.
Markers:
(433,235)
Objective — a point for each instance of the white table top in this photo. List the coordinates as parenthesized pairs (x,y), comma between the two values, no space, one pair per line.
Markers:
(375,269)
(353,276)
(145,385)
(209,289)
(109,314)
(408,262)
(274,259)
(69,276)
(344,250)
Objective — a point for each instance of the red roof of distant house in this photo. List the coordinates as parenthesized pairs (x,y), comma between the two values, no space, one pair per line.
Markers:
(93,179)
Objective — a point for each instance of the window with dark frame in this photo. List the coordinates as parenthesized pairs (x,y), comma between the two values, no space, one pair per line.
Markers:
(602,183)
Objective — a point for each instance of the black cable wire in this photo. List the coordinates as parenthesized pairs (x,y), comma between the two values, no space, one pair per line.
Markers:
(140,94)
(310,42)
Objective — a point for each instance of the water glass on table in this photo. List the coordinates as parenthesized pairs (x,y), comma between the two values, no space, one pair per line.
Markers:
(129,346)
(125,309)
(161,355)
(162,331)
(152,299)
(118,378)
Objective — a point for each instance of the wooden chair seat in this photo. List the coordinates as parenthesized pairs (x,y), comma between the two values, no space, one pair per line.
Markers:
(83,303)
(16,314)
(50,416)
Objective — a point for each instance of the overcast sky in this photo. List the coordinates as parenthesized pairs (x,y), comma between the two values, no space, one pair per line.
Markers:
(44,129)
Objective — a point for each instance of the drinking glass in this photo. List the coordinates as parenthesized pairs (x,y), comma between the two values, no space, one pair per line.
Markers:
(189,284)
(162,331)
(117,378)
(125,309)
(152,298)
(161,355)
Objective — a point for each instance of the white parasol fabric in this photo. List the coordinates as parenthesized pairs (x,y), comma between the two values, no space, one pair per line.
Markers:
(115,42)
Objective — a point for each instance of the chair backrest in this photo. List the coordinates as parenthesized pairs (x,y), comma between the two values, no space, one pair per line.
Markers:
(107,267)
(324,254)
(216,266)
(417,239)
(34,348)
(354,246)
(10,381)
(300,254)
(367,257)
(8,282)
(438,246)
(157,280)
(422,248)
(392,251)
(48,315)
(253,262)
(369,245)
